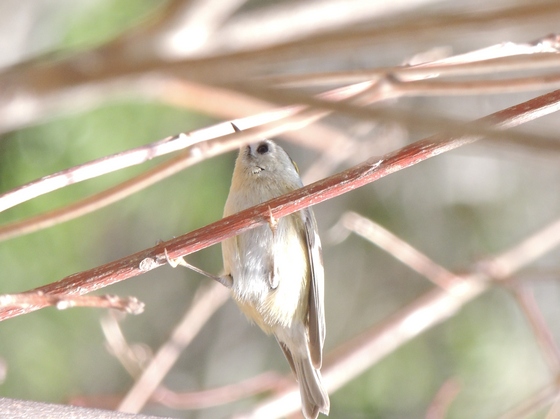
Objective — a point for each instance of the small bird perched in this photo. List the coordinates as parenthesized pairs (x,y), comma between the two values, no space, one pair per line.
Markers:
(277,269)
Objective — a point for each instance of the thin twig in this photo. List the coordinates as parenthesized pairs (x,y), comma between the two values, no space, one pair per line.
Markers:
(549,349)
(503,58)
(443,399)
(398,248)
(543,336)
(63,301)
(132,357)
(399,88)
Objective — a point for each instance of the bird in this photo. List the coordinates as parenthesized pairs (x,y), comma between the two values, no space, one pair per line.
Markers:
(276,270)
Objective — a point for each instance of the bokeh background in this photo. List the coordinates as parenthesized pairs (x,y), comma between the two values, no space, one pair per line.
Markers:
(457,208)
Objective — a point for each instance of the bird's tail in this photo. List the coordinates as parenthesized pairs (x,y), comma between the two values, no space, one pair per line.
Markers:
(314,397)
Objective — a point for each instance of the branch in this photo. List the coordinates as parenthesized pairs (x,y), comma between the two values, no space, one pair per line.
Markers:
(341,183)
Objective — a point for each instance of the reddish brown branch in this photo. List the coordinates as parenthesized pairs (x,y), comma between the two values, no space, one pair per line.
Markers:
(341,183)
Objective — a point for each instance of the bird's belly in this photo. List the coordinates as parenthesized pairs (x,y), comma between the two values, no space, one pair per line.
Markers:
(271,283)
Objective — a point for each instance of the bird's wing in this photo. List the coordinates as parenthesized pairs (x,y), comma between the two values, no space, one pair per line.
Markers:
(316,289)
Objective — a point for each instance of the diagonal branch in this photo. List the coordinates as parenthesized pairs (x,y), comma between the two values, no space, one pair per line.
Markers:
(331,187)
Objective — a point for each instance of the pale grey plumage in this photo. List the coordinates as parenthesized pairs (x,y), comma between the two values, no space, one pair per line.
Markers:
(277,271)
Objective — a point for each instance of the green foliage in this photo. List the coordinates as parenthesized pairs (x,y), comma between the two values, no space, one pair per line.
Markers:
(102,20)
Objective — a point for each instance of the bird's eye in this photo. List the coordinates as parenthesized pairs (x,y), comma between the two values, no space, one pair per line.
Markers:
(262,149)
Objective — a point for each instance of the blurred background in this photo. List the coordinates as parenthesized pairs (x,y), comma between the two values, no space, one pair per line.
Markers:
(457,208)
